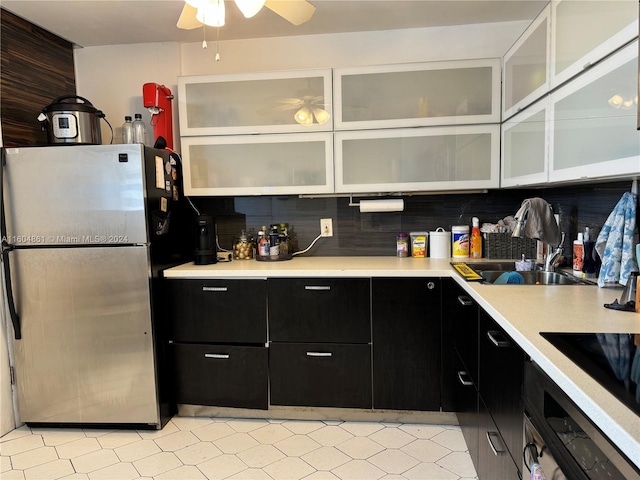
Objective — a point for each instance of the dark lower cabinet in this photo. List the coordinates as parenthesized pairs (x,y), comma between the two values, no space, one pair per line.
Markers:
(323,310)
(466,406)
(501,380)
(320,375)
(217,332)
(494,460)
(406,343)
(487,390)
(220,375)
(218,311)
(460,329)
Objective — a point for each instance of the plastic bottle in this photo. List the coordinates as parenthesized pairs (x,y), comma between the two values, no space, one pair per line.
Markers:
(578,255)
(476,239)
(263,243)
(139,130)
(127,130)
(402,245)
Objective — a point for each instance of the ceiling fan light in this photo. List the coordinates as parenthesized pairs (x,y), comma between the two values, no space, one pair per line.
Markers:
(616,101)
(304,116)
(322,116)
(211,13)
(249,7)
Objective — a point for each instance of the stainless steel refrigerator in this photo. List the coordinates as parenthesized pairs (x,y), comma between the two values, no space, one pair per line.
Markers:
(88,231)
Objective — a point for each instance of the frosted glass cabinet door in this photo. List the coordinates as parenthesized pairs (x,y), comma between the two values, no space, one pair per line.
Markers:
(585,31)
(524,146)
(258,164)
(270,102)
(420,94)
(526,72)
(593,121)
(418,159)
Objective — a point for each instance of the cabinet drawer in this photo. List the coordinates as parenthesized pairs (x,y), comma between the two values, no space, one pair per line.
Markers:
(218,311)
(319,310)
(320,375)
(495,461)
(220,375)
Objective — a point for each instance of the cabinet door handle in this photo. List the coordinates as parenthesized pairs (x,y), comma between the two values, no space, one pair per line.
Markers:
(319,354)
(317,287)
(498,342)
(223,356)
(495,451)
(466,383)
(214,289)
(464,301)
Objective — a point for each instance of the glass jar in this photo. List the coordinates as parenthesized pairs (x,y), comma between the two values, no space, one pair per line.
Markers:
(402,245)
(243,247)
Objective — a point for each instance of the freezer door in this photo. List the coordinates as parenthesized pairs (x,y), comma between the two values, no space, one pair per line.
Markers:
(86,354)
(75,194)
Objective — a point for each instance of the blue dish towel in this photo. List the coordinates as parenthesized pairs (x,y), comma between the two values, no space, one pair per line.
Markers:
(615,243)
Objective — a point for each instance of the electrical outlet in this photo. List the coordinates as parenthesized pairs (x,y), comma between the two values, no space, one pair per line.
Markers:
(326,227)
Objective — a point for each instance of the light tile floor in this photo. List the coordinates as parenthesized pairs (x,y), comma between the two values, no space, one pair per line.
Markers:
(200,448)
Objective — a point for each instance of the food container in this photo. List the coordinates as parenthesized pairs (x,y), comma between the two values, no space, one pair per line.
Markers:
(460,237)
(243,247)
(419,242)
(440,244)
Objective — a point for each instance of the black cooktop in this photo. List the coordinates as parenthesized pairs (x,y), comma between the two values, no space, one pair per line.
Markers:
(612,359)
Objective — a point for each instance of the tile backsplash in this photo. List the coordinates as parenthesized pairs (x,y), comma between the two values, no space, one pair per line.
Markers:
(358,233)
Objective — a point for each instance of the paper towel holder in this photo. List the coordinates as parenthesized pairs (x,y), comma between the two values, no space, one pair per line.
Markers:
(379,205)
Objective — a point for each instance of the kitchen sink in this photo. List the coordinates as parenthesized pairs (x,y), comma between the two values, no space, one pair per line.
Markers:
(537,277)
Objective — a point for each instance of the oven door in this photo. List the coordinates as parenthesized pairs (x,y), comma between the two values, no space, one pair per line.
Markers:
(579,448)
(536,451)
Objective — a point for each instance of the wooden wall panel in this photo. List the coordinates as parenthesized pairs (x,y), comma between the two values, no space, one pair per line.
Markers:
(37,66)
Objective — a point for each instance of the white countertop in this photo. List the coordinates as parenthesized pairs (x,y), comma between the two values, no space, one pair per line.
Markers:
(523,311)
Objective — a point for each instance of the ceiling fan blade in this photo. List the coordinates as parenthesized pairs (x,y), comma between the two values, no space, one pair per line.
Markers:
(278,108)
(187,20)
(286,100)
(294,11)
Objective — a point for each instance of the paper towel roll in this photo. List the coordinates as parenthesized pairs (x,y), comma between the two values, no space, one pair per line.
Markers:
(387,205)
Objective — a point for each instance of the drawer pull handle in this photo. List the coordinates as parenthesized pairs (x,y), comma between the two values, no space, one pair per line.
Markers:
(317,287)
(464,301)
(223,356)
(500,343)
(319,354)
(214,289)
(495,451)
(466,383)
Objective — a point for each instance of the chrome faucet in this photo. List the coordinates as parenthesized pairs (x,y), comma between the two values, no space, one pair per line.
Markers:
(554,258)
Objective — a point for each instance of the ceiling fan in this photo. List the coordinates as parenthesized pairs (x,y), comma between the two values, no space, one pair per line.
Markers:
(308,108)
(197,13)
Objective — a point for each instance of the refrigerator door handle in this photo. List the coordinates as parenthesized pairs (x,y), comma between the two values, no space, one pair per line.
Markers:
(6,247)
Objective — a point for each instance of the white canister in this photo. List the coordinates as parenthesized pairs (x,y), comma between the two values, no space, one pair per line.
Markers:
(460,236)
(439,243)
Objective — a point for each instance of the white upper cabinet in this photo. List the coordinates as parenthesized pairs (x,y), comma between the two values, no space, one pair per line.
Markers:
(593,121)
(418,159)
(525,146)
(270,102)
(526,66)
(279,164)
(421,94)
(585,31)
